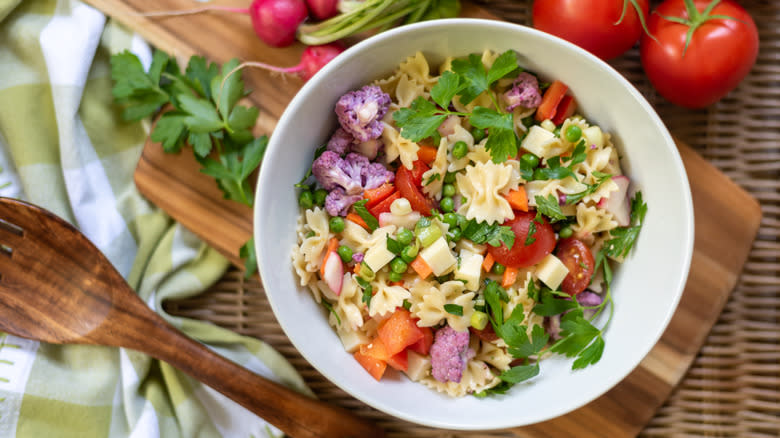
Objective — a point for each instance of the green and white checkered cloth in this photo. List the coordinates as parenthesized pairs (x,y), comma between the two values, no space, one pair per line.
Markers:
(64,147)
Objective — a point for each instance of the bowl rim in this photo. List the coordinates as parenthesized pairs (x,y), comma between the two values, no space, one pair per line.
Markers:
(688,231)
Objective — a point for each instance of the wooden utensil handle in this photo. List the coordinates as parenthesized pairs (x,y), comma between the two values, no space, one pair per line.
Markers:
(294,413)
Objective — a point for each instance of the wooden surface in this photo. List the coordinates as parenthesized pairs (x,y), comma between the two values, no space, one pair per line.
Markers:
(722,209)
(57,287)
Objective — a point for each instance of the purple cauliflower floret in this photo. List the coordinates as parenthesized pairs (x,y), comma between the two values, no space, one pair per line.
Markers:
(340,142)
(338,201)
(357,257)
(376,174)
(360,112)
(450,353)
(586,299)
(354,164)
(524,92)
(329,169)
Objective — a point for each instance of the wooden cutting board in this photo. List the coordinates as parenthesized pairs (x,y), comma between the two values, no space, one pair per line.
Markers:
(727,218)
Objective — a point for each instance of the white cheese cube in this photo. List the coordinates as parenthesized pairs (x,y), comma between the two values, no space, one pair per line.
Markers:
(378,255)
(551,271)
(438,256)
(542,143)
(419,366)
(352,340)
(593,135)
(469,269)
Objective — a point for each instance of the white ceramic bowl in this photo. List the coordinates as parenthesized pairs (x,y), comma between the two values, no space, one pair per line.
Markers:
(646,288)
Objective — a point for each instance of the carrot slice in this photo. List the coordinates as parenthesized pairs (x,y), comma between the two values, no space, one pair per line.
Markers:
(510,276)
(377,195)
(518,199)
(333,246)
(565,109)
(374,366)
(552,97)
(487,264)
(427,154)
(354,217)
(421,267)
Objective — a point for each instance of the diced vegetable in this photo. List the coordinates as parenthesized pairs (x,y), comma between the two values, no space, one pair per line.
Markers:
(384,205)
(399,331)
(438,256)
(565,109)
(423,346)
(509,277)
(354,217)
(421,267)
(551,271)
(428,235)
(479,320)
(333,272)
(552,97)
(375,367)
(333,246)
(427,154)
(487,264)
(518,199)
(377,195)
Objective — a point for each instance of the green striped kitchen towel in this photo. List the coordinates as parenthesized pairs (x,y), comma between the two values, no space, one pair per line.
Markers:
(63,146)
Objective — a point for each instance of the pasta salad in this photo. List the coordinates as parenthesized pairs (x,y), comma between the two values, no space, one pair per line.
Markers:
(461,227)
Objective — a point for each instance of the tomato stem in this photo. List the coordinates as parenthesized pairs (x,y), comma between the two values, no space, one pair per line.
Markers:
(696,19)
(639,14)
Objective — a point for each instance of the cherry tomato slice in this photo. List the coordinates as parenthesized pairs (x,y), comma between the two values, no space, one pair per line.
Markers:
(404,182)
(576,256)
(418,168)
(522,255)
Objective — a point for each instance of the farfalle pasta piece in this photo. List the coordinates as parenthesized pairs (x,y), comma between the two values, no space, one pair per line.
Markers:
(493,355)
(428,302)
(396,146)
(417,69)
(431,183)
(591,220)
(386,297)
(476,377)
(459,134)
(482,185)
(408,90)
(316,238)
(359,239)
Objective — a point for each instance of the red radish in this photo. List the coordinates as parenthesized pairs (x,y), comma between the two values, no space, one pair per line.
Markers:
(313,59)
(323,9)
(277,21)
(333,272)
(274,21)
(617,202)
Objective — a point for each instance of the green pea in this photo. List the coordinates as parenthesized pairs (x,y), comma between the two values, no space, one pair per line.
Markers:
(395,276)
(460,149)
(319,197)
(498,268)
(530,160)
(409,253)
(448,190)
(449,178)
(345,253)
(450,219)
(455,234)
(447,204)
(565,232)
(336,224)
(306,199)
(573,133)
(478,134)
(405,236)
(398,265)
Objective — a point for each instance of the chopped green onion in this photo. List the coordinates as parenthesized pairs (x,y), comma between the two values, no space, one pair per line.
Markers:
(428,235)
(479,320)
(366,273)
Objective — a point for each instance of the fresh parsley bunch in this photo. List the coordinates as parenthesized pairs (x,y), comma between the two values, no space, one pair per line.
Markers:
(204,114)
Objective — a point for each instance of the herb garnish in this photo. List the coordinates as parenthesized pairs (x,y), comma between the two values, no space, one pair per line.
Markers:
(367,290)
(625,237)
(549,207)
(454,309)
(368,218)
(601,178)
(467,80)
(493,235)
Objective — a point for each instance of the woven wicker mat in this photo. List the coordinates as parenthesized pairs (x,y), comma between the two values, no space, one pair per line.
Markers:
(733,387)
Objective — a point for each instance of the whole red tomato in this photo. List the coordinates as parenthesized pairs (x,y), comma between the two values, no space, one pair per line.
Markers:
(606,28)
(720,53)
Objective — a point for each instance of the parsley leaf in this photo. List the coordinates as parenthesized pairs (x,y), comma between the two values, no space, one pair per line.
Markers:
(394,246)
(549,207)
(494,295)
(432,178)
(579,338)
(624,237)
(493,235)
(505,64)
(368,218)
(328,306)
(247,252)
(448,85)
(601,178)
(367,290)
(420,120)
(520,373)
(530,239)
(549,304)
(474,75)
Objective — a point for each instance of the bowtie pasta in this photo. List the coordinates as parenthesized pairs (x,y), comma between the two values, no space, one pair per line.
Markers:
(460,227)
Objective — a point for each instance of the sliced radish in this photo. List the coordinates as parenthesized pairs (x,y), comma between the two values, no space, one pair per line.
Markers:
(617,202)
(448,126)
(333,272)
